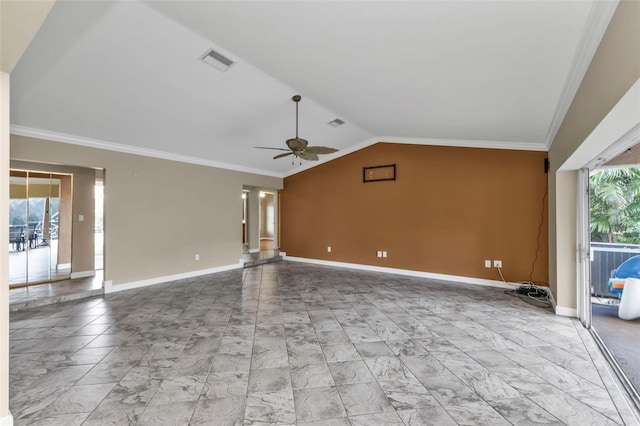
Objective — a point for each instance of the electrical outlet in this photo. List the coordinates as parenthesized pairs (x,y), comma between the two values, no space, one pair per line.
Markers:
(384,254)
(487,264)
(379,253)
(328,249)
(197,256)
(497,263)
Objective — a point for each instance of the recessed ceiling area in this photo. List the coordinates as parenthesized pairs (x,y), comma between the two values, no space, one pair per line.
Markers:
(129,75)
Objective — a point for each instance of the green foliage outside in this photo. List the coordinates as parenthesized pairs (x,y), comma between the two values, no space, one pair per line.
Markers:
(614,197)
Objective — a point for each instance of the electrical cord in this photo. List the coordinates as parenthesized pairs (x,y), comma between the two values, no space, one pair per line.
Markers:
(544,197)
(528,291)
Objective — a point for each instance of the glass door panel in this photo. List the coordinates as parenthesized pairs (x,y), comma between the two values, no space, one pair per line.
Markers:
(18,217)
(34,210)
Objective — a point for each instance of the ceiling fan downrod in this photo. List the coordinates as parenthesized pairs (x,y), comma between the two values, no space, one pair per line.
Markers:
(296,99)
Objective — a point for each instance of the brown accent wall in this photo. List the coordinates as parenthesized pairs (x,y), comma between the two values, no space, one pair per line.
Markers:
(449,210)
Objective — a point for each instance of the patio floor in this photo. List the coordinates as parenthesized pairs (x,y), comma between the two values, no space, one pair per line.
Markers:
(621,337)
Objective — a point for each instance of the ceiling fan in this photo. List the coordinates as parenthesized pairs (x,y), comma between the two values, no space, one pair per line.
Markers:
(298,147)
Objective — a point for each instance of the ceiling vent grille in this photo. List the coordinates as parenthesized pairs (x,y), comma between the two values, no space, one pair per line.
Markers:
(336,123)
(217,60)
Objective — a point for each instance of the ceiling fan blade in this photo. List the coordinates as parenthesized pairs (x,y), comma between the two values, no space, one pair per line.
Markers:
(309,156)
(320,150)
(282,155)
(268,147)
(297,144)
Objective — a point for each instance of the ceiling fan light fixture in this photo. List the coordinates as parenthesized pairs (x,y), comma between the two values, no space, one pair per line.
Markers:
(299,147)
(217,60)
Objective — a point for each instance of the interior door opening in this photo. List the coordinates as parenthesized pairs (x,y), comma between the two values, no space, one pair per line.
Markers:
(259,225)
(99,224)
(267,221)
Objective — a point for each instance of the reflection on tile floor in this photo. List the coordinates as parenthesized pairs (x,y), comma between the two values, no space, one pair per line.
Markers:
(56,292)
(289,343)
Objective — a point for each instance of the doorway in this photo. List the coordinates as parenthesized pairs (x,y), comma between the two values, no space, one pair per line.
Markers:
(614,193)
(259,226)
(267,221)
(612,143)
(99,224)
(39,227)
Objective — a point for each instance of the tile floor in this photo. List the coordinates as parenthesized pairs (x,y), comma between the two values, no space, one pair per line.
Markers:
(291,343)
(56,292)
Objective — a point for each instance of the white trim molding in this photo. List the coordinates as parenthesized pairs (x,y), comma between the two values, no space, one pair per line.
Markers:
(519,146)
(109,287)
(566,312)
(6,420)
(598,19)
(130,149)
(82,274)
(420,274)
(60,266)
(618,131)
(147,152)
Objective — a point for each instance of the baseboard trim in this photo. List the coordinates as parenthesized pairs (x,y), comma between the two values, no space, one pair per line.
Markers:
(566,312)
(408,272)
(6,420)
(83,274)
(109,287)
(551,299)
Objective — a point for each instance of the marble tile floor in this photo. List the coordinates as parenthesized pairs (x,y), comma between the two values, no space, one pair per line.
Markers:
(260,258)
(290,343)
(55,292)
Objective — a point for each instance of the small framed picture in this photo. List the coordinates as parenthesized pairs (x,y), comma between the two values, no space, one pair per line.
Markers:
(379,173)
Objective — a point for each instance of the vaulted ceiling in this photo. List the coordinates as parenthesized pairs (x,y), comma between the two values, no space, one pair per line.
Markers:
(128,75)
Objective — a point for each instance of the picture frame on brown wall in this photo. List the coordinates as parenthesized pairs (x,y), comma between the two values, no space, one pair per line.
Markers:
(379,173)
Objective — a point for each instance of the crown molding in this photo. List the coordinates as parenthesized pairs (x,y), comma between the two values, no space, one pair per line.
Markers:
(600,14)
(111,146)
(519,146)
(467,143)
(128,149)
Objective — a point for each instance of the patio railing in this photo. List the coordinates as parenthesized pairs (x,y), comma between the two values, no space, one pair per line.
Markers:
(606,257)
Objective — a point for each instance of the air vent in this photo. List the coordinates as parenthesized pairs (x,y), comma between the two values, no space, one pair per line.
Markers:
(336,123)
(217,60)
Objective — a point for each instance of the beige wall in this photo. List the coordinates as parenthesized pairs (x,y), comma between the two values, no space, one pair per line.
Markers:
(449,210)
(614,69)
(158,213)
(19,23)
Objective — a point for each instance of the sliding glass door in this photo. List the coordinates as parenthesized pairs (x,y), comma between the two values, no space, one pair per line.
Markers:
(34,227)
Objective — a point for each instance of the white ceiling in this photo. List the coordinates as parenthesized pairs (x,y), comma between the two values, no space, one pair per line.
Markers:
(127,75)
